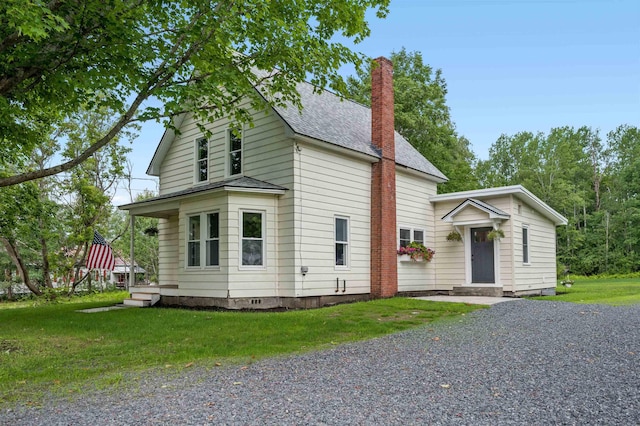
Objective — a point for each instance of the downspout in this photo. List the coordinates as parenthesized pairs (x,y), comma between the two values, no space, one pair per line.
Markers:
(132,278)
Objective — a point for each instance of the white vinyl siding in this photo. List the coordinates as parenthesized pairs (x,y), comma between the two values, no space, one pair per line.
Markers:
(540,272)
(168,250)
(267,152)
(253,280)
(415,214)
(321,194)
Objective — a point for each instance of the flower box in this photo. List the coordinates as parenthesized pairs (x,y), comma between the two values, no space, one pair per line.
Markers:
(415,252)
(407,258)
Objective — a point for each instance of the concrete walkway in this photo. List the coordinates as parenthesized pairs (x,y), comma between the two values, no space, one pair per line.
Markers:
(473,300)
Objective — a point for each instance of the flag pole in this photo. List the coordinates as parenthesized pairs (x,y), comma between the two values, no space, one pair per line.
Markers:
(132,275)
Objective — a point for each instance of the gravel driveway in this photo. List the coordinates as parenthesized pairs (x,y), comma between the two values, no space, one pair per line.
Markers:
(522,362)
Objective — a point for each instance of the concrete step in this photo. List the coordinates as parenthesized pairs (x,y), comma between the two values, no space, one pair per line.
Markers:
(136,302)
(152,289)
(142,296)
(136,299)
(478,291)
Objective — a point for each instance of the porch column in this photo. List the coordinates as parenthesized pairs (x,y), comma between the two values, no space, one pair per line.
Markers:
(132,275)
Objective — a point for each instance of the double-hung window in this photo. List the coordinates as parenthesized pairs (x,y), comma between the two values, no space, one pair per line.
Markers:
(234,143)
(193,241)
(202,160)
(252,231)
(203,242)
(408,235)
(525,244)
(212,241)
(342,242)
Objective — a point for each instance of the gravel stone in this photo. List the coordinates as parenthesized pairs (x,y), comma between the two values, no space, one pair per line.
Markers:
(520,362)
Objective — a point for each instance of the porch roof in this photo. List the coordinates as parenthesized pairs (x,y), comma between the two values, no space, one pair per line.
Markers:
(492,211)
(166,204)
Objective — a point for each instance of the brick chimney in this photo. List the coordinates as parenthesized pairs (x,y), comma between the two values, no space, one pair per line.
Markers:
(384,266)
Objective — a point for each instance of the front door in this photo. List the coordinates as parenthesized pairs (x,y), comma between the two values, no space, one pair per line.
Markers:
(482,257)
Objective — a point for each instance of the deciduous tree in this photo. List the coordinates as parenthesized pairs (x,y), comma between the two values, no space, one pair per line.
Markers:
(422,116)
(199,55)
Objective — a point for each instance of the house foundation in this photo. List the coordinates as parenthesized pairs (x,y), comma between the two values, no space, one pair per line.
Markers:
(260,303)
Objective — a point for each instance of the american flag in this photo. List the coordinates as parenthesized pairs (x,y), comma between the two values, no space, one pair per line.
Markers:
(100,254)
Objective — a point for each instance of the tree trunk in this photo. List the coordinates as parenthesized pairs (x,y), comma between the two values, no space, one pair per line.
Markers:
(22,269)
(78,264)
(7,278)
(46,273)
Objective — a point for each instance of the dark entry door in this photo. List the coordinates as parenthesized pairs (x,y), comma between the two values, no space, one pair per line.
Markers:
(482,258)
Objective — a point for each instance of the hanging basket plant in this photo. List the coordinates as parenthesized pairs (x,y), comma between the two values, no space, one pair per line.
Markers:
(454,236)
(496,234)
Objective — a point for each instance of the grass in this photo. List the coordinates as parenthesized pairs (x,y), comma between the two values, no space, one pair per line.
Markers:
(53,347)
(610,291)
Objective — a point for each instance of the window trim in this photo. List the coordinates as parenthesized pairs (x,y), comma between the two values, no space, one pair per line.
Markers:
(412,234)
(189,241)
(346,243)
(203,238)
(263,238)
(207,239)
(526,245)
(197,160)
(228,152)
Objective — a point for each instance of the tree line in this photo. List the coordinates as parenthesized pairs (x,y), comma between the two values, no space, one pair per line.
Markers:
(591,179)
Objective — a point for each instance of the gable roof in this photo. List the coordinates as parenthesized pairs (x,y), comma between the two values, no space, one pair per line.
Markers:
(329,118)
(518,191)
(326,117)
(492,211)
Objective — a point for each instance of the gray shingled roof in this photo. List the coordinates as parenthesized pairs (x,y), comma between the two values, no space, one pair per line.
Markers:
(329,118)
(242,182)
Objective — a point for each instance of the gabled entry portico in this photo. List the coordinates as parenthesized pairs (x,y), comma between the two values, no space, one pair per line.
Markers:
(474,220)
(488,238)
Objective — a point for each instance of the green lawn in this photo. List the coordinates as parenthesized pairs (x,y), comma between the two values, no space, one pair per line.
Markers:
(53,347)
(610,291)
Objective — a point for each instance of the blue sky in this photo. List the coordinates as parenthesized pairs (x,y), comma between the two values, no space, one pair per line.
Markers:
(510,66)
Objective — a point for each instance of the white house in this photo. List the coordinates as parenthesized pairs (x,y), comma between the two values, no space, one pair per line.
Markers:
(309,208)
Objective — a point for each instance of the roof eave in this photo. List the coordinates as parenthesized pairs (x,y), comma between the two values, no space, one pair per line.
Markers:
(517,190)
(163,146)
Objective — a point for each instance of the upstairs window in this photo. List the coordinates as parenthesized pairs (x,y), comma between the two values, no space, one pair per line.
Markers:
(342,241)
(234,137)
(202,160)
